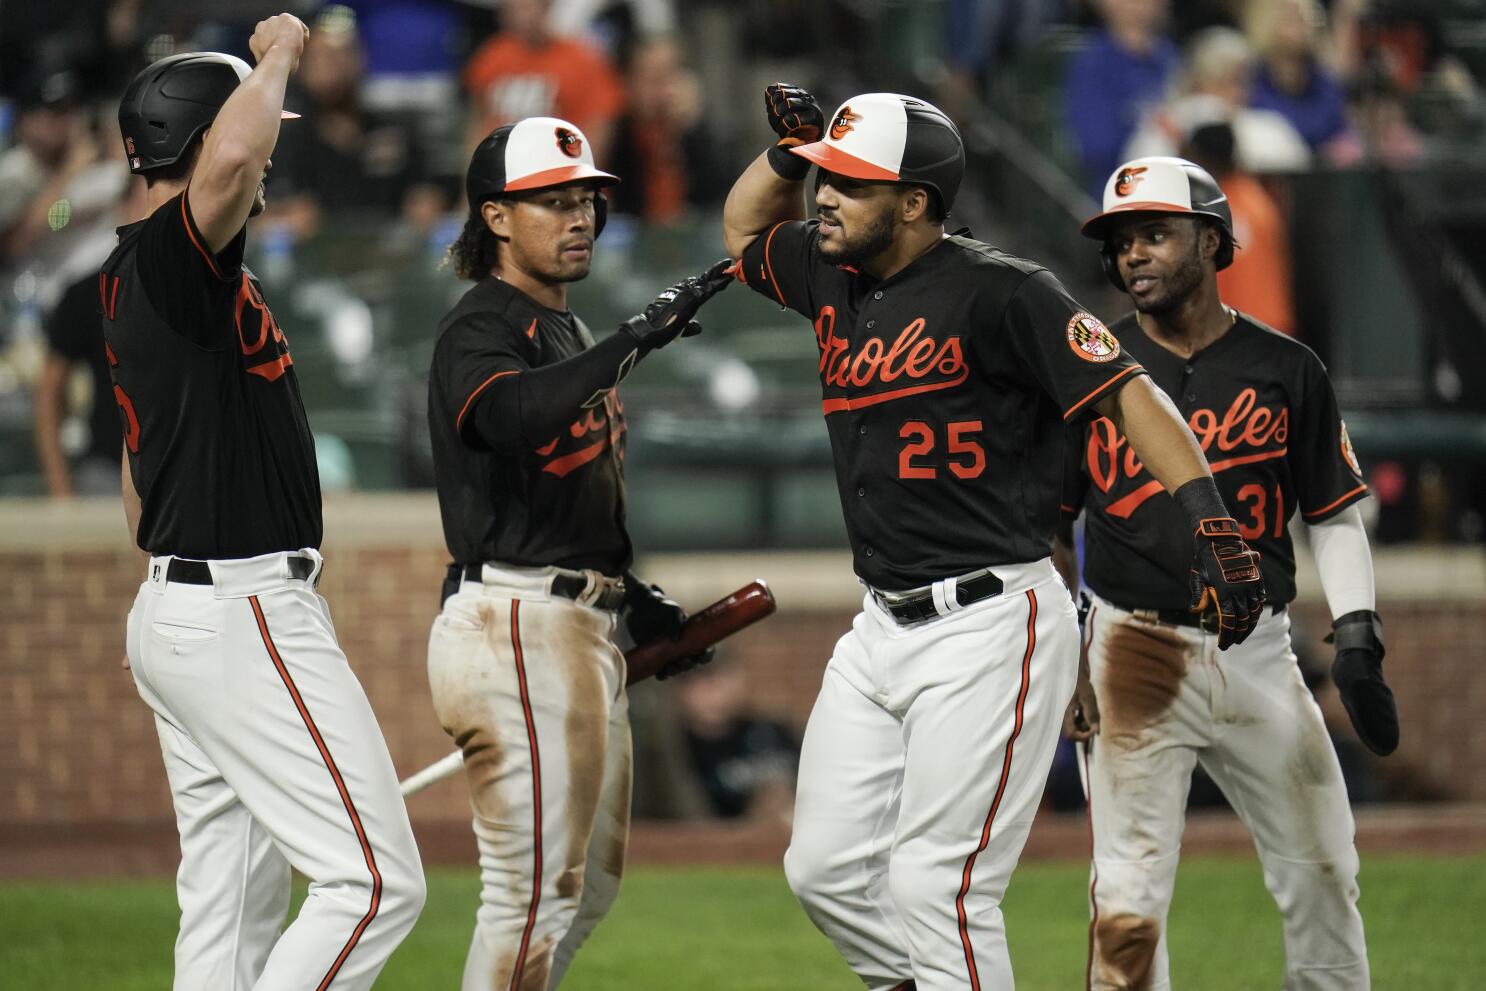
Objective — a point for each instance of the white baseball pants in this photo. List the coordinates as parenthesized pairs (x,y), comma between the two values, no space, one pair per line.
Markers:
(1169,698)
(922,766)
(531,688)
(275,760)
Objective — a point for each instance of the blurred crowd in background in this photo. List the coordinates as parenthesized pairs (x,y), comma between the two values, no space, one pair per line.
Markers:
(1349,126)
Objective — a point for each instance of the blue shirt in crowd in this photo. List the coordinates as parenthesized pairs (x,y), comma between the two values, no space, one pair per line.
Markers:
(1107,91)
(1319,113)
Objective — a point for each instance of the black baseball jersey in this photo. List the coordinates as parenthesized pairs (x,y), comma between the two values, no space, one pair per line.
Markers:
(1263,410)
(556,502)
(945,390)
(72,332)
(218,442)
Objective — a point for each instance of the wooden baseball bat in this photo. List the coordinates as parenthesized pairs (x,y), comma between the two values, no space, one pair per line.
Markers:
(701,630)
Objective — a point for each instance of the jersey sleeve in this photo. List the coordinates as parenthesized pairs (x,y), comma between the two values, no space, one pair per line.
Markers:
(780,264)
(187,284)
(1327,475)
(1075,482)
(472,355)
(1072,355)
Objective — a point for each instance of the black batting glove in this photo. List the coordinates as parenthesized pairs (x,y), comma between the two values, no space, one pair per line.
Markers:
(1225,573)
(1358,673)
(649,614)
(670,314)
(1225,578)
(797,119)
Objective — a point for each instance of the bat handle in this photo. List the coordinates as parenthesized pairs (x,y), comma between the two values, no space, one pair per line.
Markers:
(445,766)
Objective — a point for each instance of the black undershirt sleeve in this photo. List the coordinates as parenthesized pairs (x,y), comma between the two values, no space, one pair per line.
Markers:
(525,410)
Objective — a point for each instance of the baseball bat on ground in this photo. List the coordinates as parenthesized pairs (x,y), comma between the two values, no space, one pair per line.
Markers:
(701,630)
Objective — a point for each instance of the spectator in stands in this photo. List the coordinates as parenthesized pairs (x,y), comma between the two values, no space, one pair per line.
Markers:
(746,762)
(1293,79)
(1114,80)
(662,148)
(1259,282)
(982,34)
(1383,128)
(55,177)
(528,71)
(1215,84)
(346,158)
(616,26)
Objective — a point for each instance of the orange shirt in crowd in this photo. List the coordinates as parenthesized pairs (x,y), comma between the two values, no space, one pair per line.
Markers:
(1259,280)
(507,80)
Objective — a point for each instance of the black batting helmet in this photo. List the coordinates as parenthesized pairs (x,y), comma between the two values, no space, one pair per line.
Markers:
(534,153)
(167,106)
(1160,184)
(894,138)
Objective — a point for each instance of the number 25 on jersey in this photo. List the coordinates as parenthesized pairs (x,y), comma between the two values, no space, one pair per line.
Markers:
(961,454)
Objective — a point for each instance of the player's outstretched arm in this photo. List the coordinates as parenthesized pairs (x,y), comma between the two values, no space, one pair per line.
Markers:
(1225,573)
(769,191)
(543,401)
(238,144)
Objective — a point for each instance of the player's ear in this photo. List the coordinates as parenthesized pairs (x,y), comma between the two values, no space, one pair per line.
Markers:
(497,216)
(1210,241)
(913,203)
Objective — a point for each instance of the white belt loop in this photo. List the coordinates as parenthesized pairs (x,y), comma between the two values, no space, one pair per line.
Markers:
(943,594)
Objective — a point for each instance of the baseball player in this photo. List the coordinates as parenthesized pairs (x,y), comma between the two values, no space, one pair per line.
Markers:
(272,751)
(1163,697)
(528,443)
(948,369)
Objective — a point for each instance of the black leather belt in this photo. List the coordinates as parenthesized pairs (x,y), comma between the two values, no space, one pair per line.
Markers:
(566,586)
(184,572)
(915,607)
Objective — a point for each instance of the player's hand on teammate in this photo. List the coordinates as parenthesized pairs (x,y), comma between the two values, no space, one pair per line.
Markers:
(1358,673)
(793,114)
(283,31)
(670,314)
(649,614)
(1226,579)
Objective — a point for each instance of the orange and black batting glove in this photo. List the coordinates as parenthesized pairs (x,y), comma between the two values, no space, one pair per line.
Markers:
(797,118)
(1225,576)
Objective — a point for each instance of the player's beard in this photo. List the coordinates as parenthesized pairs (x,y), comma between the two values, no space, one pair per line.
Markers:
(1177,286)
(876,237)
(260,200)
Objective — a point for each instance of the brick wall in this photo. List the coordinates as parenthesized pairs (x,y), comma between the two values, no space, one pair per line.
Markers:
(77,746)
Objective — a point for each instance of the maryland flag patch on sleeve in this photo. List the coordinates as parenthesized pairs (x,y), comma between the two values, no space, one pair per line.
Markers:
(1090,339)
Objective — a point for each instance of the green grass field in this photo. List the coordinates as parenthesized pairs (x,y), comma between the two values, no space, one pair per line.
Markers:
(739,929)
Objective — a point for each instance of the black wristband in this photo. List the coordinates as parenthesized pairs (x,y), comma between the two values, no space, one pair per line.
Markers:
(1200,500)
(790,168)
(1361,629)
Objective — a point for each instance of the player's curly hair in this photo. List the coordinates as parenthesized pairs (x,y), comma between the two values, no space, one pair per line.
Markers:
(476,251)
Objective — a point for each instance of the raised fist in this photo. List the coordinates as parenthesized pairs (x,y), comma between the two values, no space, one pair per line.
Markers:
(279,31)
(793,114)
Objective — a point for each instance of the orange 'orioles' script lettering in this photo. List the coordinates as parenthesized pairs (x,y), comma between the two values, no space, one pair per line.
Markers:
(1260,430)
(912,356)
(604,420)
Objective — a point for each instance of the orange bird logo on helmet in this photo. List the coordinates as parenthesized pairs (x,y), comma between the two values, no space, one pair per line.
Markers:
(843,123)
(569,143)
(1127,180)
